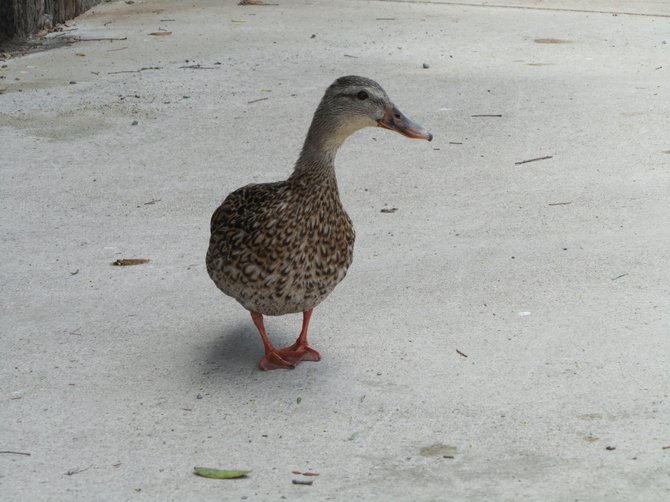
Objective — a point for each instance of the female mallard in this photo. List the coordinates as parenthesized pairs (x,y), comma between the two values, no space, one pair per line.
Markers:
(281,248)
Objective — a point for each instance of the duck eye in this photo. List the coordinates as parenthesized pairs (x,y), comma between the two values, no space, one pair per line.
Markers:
(362,95)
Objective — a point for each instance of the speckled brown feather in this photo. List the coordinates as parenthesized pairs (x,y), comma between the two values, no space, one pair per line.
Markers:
(280,248)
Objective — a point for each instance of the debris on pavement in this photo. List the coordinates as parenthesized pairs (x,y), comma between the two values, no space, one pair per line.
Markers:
(72,472)
(211,473)
(97,39)
(134,71)
(302,482)
(127,262)
(461,353)
(255,2)
(199,67)
(551,41)
(388,210)
(533,160)
(439,450)
(305,473)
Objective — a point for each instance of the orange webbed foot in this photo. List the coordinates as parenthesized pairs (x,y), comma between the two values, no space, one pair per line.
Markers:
(274,360)
(299,352)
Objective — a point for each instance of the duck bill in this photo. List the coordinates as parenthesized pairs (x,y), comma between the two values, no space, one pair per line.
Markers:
(395,121)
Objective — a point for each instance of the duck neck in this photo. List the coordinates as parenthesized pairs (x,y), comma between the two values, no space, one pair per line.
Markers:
(317,159)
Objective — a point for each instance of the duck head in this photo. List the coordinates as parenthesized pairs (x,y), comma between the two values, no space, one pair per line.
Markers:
(352,102)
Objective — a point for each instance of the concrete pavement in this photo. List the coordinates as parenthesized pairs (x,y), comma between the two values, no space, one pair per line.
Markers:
(503,335)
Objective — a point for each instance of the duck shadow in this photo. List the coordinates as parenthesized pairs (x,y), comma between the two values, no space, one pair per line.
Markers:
(237,350)
(232,349)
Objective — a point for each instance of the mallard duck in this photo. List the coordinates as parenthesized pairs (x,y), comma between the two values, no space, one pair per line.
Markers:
(281,248)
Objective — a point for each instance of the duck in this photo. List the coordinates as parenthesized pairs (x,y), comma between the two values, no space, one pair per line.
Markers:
(281,247)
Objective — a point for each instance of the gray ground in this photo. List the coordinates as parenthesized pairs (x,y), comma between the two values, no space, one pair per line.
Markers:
(550,276)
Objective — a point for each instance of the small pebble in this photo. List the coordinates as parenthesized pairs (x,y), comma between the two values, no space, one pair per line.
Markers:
(610,448)
(199,396)
(426,65)
(72,82)
(135,122)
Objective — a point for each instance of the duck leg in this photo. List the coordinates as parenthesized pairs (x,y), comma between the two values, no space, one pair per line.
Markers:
(272,359)
(300,350)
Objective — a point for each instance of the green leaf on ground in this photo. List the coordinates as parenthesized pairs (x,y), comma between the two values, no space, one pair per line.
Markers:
(207,472)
